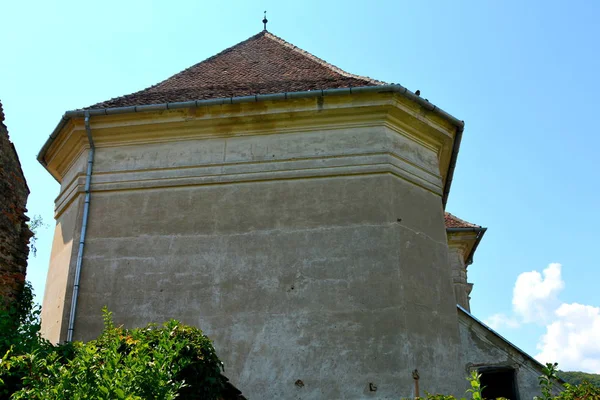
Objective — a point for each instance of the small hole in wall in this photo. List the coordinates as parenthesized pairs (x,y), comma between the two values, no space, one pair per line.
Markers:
(292,288)
(299,383)
(399,220)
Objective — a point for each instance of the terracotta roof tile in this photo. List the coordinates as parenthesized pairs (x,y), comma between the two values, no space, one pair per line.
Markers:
(455,222)
(262,64)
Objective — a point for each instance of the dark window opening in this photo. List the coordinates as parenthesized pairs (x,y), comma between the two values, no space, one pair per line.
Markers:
(498,382)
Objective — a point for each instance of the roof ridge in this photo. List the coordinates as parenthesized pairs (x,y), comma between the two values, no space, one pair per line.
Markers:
(318,60)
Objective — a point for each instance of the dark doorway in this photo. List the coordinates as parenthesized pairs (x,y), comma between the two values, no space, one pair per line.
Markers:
(498,382)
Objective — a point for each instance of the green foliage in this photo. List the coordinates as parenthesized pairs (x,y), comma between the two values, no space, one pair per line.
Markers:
(474,380)
(577,378)
(437,397)
(34,225)
(20,322)
(166,362)
(19,334)
(583,391)
(546,381)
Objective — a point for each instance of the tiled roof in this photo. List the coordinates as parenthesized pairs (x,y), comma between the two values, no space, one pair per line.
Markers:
(262,64)
(455,222)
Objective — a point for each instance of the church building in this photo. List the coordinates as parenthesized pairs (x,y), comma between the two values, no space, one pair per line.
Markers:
(294,212)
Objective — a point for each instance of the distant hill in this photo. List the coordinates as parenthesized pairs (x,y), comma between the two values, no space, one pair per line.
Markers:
(576,377)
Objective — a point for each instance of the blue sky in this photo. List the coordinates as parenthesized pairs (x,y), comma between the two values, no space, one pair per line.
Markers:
(523,76)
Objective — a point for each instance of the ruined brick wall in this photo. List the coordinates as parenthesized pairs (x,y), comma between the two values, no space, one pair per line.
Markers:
(14,232)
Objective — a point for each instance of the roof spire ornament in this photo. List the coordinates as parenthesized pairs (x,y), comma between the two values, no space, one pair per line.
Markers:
(264,21)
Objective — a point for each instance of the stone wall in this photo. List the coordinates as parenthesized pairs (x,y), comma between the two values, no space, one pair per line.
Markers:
(14,232)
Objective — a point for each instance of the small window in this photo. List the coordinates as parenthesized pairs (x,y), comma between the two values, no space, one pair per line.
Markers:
(498,382)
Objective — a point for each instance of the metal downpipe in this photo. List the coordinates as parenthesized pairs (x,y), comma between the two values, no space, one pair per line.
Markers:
(86,211)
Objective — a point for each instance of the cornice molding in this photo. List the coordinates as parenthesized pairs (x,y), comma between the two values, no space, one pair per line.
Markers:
(245,172)
(292,115)
(408,130)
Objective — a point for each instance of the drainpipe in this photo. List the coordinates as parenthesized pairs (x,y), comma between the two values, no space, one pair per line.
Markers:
(86,211)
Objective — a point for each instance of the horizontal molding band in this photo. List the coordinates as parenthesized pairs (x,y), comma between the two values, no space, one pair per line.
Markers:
(380,164)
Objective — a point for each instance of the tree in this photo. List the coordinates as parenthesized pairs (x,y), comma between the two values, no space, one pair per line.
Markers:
(577,378)
(34,226)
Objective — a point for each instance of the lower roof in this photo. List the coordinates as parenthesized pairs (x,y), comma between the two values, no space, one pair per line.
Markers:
(452,221)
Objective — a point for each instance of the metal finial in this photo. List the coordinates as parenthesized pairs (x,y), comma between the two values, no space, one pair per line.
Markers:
(264,21)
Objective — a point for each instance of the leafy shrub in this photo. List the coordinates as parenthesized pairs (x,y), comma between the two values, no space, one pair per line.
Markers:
(20,322)
(19,334)
(154,362)
(583,391)
(546,381)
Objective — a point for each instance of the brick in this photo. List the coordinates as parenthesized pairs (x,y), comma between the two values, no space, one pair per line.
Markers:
(14,232)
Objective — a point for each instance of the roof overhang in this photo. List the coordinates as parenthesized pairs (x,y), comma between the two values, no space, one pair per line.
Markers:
(467,239)
(423,108)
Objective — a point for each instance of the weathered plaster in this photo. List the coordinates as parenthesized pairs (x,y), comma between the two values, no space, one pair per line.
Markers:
(483,348)
(461,287)
(309,244)
(59,281)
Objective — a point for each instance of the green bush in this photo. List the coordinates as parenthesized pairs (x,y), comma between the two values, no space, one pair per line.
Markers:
(154,362)
(19,323)
(145,363)
(583,391)
(19,334)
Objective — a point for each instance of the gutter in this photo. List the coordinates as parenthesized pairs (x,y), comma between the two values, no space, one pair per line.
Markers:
(452,166)
(84,222)
(480,232)
(399,89)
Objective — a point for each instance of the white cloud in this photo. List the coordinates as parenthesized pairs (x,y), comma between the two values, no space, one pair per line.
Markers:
(573,339)
(498,321)
(572,335)
(535,296)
